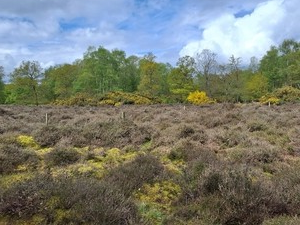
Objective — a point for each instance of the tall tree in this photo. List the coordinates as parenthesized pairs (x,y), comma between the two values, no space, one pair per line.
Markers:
(25,80)
(150,76)
(256,86)
(181,78)
(98,72)
(281,65)
(103,70)
(130,77)
(290,62)
(206,65)
(2,97)
(288,46)
(58,81)
(253,65)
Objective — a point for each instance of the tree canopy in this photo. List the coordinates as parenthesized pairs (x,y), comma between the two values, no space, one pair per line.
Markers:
(101,71)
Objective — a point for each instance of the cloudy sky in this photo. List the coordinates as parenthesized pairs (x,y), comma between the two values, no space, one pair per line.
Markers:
(60,31)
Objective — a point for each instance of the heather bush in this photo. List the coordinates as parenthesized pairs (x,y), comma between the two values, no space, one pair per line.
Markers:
(72,136)
(27,198)
(94,202)
(47,136)
(256,126)
(66,200)
(226,197)
(61,157)
(287,189)
(131,176)
(13,156)
(282,220)
(116,134)
(186,131)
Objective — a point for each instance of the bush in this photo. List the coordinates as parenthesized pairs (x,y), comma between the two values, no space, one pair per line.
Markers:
(269,99)
(27,141)
(131,176)
(282,220)
(94,202)
(287,190)
(155,200)
(47,136)
(226,196)
(61,157)
(284,94)
(186,131)
(66,200)
(79,99)
(199,98)
(116,134)
(127,98)
(12,156)
(27,198)
(288,94)
(72,136)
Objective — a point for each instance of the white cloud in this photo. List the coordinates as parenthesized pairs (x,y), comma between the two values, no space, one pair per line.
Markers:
(252,35)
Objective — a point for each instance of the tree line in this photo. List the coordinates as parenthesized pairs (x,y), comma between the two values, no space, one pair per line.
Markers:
(101,71)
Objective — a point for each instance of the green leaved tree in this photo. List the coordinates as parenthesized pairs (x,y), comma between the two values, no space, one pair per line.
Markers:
(58,81)
(2,96)
(150,77)
(181,79)
(25,81)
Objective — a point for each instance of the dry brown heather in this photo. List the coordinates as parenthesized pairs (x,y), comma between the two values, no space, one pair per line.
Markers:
(215,164)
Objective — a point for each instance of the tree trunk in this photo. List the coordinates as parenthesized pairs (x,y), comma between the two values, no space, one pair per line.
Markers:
(35,95)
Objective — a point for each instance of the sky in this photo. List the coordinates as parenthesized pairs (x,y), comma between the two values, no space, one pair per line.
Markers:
(60,31)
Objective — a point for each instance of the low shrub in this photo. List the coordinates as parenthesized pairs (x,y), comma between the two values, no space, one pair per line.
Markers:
(47,136)
(12,156)
(155,200)
(27,198)
(116,134)
(226,197)
(94,202)
(287,190)
(79,99)
(61,157)
(67,200)
(256,126)
(127,98)
(27,141)
(286,220)
(269,99)
(287,94)
(283,94)
(186,131)
(199,98)
(131,176)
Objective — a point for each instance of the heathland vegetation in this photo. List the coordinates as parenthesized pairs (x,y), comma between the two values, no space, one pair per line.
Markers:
(156,164)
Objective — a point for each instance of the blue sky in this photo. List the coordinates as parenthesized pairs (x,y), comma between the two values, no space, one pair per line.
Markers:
(60,31)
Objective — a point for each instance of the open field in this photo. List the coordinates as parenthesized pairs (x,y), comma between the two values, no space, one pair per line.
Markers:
(156,164)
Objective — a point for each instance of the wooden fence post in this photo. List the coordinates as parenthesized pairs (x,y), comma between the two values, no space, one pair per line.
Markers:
(123,115)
